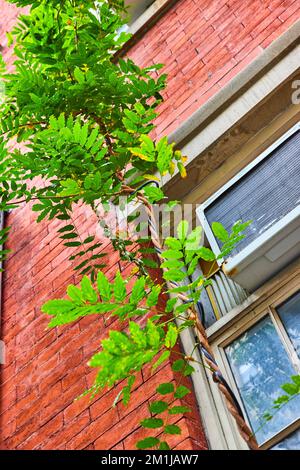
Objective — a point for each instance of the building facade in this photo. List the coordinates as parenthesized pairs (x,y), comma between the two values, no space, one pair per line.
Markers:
(232,105)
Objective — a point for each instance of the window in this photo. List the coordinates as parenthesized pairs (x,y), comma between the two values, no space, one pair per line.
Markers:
(265,192)
(137,8)
(261,353)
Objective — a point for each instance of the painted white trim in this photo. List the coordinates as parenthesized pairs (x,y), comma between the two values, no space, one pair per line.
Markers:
(212,425)
(250,252)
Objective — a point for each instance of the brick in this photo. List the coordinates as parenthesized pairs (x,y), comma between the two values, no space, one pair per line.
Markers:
(31,408)
(121,429)
(146,391)
(49,429)
(293,9)
(94,430)
(70,430)
(52,407)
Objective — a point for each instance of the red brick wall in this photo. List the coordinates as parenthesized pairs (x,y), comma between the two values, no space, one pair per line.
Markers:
(204,44)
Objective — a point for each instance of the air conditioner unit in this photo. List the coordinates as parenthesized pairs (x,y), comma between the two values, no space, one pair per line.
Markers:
(267,192)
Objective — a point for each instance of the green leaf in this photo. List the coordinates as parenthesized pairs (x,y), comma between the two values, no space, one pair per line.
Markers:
(182,230)
(172,263)
(220,232)
(158,406)
(138,291)
(104,287)
(165,388)
(69,236)
(188,370)
(163,357)
(75,294)
(178,365)
(171,336)
(170,305)
(147,443)
(172,429)
(152,423)
(152,298)
(87,290)
(153,193)
(164,446)
(193,239)
(67,228)
(172,254)
(291,389)
(137,335)
(53,307)
(127,390)
(181,391)
(296,379)
(79,75)
(176,410)
(153,335)
(89,239)
(119,288)
(173,243)
(174,275)
(206,254)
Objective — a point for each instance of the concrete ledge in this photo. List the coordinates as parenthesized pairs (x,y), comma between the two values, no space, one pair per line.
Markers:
(237,85)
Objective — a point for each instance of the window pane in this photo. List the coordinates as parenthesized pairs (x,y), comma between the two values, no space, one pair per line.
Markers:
(260,365)
(289,313)
(265,195)
(291,442)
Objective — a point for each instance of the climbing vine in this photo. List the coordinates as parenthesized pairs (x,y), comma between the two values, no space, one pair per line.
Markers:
(76,126)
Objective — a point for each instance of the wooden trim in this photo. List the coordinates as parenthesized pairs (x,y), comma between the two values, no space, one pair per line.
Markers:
(281,435)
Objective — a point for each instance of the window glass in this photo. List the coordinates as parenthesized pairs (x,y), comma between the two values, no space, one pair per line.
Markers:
(260,365)
(264,195)
(289,313)
(291,442)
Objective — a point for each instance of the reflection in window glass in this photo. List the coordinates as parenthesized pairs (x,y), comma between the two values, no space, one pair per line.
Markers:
(291,442)
(260,365)
(289,313)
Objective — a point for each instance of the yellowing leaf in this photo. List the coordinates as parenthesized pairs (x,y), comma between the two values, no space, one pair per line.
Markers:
(182,170)
(172,168)
(151,178)
(142,156)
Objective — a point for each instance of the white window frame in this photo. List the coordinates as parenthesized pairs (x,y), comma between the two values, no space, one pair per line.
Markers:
(284,290)
(257,242)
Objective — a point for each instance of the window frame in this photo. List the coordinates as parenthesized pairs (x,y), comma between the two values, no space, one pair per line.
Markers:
(241,325)
(247,169)
(150,12)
